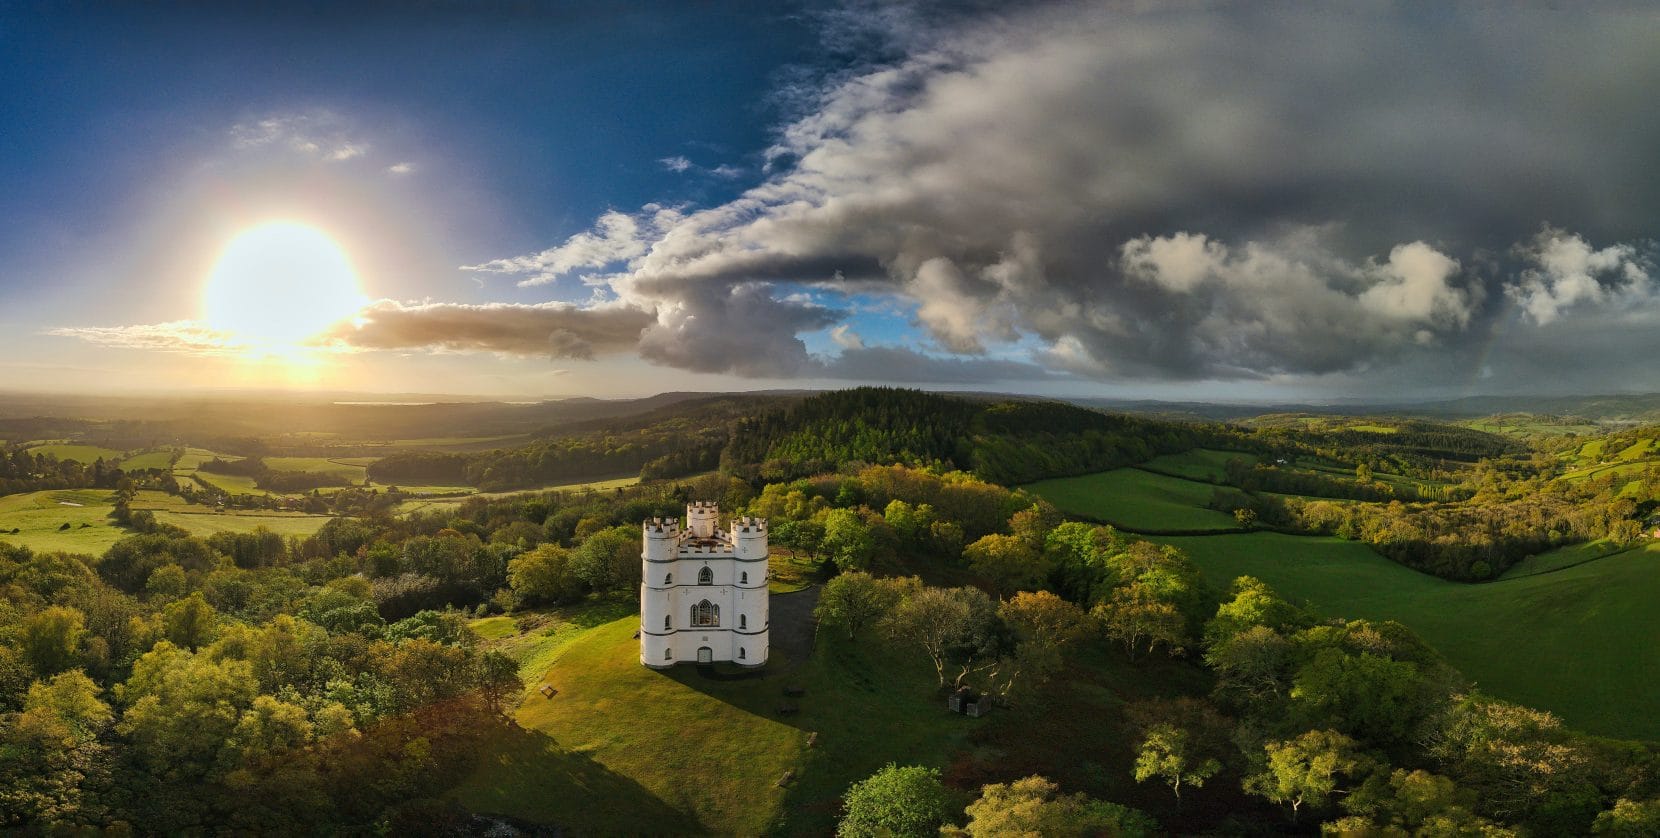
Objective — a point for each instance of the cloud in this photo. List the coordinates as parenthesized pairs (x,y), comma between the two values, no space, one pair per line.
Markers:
(616,237)
(183,337)
(676,163)
(1565,272)
(554,330)
(1187,195)
(844,337)
(321,135)
(400,168)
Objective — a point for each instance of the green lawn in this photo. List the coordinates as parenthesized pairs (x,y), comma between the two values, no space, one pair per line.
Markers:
(40,517)
(83,454)
(1136,500)
(621,749)
(1579,641)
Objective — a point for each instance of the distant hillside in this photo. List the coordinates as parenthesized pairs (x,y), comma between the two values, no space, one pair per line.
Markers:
(781,435)
(1009,441)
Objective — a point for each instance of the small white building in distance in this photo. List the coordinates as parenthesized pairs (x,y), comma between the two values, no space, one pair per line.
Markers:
(703,592)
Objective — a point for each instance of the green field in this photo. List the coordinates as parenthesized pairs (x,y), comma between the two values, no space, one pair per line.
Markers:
(159,459)
(1578,641)
(1564,557)
(621,749)
(40,517)
(83,454)
(205,523)
(1136,500)
(1199,464)
(234,484)
(351,469)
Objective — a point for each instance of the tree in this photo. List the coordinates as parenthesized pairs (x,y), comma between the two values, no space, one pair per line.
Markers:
(1032,807)
(190,622)
(1307,769)
(847,539)
(944,623)
(1009,563)
(1170,754)
(52,639)
(50,751)
(498,679)
(908,801)
(1044,626)
(1629,819)
(855,599)
(1246,517)
(1367,695)
(609,559)
(545,574)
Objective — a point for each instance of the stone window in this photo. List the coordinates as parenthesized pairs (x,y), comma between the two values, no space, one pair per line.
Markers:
(705,614)
(706,577)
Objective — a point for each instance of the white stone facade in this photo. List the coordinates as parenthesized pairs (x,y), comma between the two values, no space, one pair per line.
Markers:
(703,594)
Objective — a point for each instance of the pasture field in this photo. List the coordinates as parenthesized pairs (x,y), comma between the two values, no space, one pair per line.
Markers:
(452,503)
(159,459)
(234,484)
(1522,425)
(83,454)
(40,516)
(349,469)
(1578,641)
(1205,464)
(1564,557)
(1615,469)
(1133,499)
(205,523)
(192,459)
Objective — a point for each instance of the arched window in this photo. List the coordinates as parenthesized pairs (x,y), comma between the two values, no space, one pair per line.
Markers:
(668,579)
(705,614)
(666,624)
(668,654)
(706,577)
(743,621)
(743,578)
(740,653)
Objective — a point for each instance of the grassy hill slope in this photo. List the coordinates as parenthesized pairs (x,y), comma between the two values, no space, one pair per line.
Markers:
(1578,641)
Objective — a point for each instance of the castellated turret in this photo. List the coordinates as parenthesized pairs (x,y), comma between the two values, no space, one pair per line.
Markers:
(703,591)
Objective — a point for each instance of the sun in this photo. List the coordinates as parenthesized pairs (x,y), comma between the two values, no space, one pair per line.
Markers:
(279,284)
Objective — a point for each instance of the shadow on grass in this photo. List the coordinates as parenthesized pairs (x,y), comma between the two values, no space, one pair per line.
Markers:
(529,776)
(761,691)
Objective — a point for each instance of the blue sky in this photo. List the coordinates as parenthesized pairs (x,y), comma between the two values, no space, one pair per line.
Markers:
(1235,201)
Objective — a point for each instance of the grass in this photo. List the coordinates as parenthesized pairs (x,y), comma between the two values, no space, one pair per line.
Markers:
(40,516)
(234,484)
(348,469)
(1578,641)
(1199,464)
(1136,500)
(205,523)
(1564,557)
(160,459)
(83,454)
(621,749)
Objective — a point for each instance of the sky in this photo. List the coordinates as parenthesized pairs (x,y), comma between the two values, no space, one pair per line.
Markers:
(1217,201)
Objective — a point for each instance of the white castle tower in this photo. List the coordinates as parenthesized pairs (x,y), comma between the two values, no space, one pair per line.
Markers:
(703,592)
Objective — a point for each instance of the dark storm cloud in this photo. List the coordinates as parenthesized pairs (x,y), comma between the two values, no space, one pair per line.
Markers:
(1259,191)
(555,330)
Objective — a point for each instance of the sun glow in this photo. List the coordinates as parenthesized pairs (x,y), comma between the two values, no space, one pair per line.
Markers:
(278,286)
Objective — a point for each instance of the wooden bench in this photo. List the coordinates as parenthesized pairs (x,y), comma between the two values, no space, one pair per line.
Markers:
(788,709)
(812,739)
(789,777)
